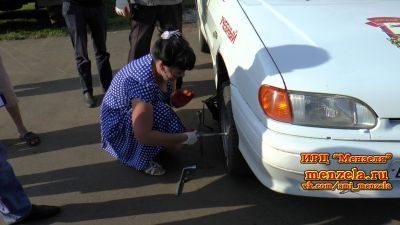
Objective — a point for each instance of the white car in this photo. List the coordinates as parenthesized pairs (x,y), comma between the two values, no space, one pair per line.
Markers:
(309,92)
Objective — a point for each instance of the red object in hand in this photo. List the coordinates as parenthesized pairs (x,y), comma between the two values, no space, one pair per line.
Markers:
(181,97)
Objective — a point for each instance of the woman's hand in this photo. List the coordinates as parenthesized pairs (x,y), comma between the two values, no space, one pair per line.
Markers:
(122,8)
(181,97)
(192,137)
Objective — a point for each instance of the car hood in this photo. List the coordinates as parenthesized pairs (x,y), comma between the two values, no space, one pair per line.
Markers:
(328,46)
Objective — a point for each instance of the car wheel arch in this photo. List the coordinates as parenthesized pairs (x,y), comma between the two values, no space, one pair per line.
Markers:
(222,72)
(235,162)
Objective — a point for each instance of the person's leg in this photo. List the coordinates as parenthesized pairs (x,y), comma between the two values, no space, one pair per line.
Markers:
(75,21)
(143,21)
(7,90)
(16,117)
(30,138)
(14,204)
(164,120)
(170,16)
(98,25)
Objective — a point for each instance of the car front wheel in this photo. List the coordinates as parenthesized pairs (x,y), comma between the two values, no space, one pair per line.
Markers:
(235,162)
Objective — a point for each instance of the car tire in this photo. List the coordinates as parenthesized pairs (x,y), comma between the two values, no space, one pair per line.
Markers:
(234,160)
(202,41)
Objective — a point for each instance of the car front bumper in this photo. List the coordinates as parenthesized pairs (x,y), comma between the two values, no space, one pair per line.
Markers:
(274,158)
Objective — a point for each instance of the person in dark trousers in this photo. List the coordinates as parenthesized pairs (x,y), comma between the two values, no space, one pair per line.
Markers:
(78,15)
(15,207)
(144,16)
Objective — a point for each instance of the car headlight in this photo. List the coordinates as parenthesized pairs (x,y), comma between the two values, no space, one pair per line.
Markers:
(324,110)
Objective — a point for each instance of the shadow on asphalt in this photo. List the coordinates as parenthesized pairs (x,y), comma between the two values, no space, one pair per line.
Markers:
(60,140)
(50,87)
(238,197)
(53,86)
(69,84)
(55,140)
(254,200)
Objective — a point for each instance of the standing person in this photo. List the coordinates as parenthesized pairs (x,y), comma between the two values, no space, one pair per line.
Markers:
(15,206)
(144,15)
(136,119)
(11,103)
(78,15)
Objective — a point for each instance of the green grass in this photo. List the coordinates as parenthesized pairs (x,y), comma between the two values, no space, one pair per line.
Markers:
(27,22)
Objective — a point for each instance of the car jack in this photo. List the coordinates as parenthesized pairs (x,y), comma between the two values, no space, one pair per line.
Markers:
(189,170)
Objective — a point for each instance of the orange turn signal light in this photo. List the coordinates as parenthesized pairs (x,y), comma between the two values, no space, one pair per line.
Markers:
(275,103)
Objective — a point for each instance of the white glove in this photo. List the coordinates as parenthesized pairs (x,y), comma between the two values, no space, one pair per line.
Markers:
(192,138)
(122,7)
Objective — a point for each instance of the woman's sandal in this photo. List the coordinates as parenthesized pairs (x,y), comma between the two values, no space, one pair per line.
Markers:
(31,139)
(154,169)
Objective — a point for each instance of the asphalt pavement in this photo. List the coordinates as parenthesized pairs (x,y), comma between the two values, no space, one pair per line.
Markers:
(70,170)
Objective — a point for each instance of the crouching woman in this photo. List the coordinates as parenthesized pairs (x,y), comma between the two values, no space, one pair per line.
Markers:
(136,119)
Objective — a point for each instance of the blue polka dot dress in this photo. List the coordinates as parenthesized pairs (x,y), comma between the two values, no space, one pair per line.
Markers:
(135,81)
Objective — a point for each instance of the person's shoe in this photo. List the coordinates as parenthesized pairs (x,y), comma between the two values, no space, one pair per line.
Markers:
(89,99)
(154,169)
(39,212)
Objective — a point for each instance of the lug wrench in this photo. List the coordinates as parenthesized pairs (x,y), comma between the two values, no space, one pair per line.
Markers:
(185,177)
(200,134)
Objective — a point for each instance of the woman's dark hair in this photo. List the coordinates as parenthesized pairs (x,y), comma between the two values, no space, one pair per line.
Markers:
(174,52)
